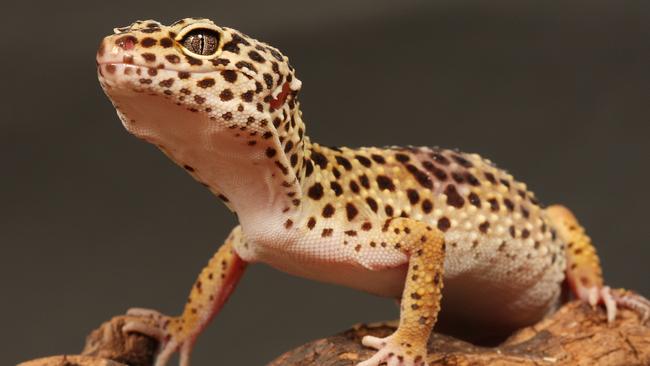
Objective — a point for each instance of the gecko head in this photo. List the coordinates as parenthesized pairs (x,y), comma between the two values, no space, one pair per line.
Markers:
(182,84)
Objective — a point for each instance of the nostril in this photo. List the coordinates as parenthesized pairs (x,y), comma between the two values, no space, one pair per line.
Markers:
(126,42)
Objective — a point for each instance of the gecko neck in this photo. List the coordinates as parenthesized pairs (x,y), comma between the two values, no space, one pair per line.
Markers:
(260,183)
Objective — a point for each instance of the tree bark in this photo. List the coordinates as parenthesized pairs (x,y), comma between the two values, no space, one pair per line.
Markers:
(107,346)
(574,335)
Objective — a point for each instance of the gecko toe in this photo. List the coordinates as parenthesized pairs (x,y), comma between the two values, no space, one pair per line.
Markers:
(633,301)
(376,359)
(144,313)
(393,353)
(373,342)
(394,362)
(142,327)
(168,331)
(609,302)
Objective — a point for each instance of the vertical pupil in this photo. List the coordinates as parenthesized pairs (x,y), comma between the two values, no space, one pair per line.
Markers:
(198,44)
(201,42)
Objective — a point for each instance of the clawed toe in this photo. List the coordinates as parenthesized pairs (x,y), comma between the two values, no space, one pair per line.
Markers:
(633,301)
(613,299)
(376,359)
(392,353)
(373,342)
(159,326)
(146,328)
(150,323)
(605,295)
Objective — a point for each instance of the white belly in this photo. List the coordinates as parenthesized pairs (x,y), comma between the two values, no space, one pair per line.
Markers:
(387,282)
(478,290)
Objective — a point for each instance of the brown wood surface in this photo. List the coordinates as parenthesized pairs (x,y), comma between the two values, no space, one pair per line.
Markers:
(575,335)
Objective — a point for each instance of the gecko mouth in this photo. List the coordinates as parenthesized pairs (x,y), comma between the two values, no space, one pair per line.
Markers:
(107,69)
(111,66)
(147,79)
(130,76)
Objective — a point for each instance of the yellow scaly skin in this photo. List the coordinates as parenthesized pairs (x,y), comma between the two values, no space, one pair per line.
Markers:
(397,222)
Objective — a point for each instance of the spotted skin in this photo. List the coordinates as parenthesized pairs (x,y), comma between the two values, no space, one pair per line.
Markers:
(396,221)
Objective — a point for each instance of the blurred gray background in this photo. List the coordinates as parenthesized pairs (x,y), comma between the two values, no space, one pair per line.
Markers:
(94,221)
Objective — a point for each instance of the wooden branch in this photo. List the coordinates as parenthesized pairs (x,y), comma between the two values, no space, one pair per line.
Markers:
(575,335)
(107,346)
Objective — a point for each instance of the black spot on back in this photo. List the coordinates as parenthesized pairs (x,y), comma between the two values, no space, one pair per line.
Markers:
(344,162)
(328,211)
(420,176)
(315,191)
(338,190)
(351,211)
(319,159)
(444,224)
(385,183)
(378,158)
(363,160)
(372,204)
(453,198)
(413,196)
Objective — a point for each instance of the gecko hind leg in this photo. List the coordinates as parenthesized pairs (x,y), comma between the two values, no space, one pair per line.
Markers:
(584,273)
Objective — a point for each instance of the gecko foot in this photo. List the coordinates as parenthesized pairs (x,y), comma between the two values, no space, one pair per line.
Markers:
(394,352)
(166,330)
(612,299)
(632,300)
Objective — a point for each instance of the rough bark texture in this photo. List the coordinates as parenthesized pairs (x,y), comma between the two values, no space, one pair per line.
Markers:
(575,335)
(107,346)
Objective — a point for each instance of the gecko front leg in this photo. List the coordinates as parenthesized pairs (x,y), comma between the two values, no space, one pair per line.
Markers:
(420,304)
(210,291)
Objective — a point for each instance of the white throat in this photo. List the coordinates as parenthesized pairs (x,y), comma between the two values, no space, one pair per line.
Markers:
(213,154)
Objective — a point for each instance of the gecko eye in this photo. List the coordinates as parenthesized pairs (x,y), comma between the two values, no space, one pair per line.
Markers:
(201,41)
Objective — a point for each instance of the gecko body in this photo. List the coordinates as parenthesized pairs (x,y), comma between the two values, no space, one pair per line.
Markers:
(400,222)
